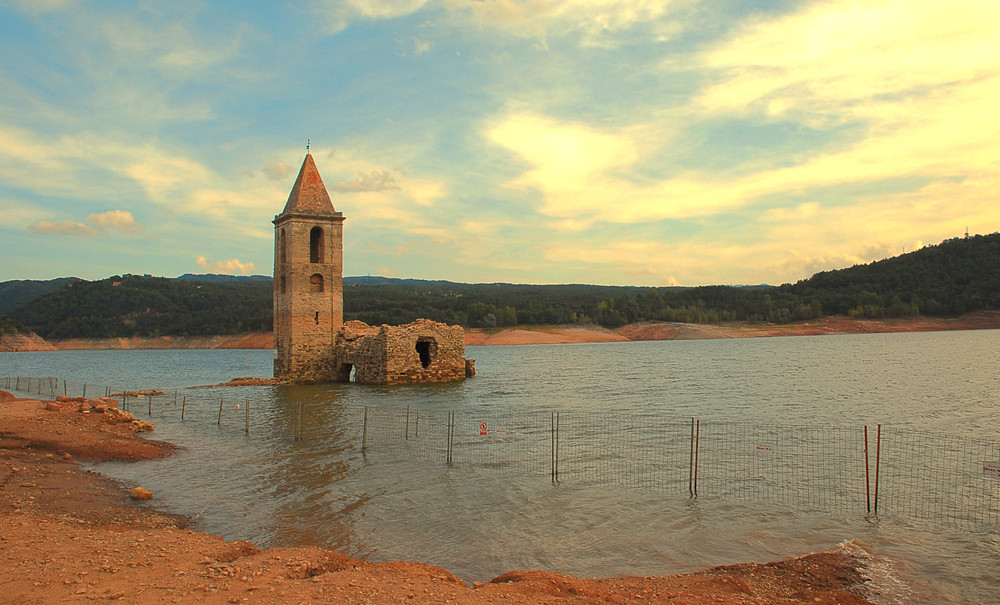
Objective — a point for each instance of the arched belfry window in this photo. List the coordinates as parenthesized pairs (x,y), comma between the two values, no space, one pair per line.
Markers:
(316,245)
(282,247)
(316,282)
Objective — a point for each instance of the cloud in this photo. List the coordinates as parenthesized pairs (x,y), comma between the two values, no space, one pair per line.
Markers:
(119,220)
(277,171)
(374,181)
(585,173)
(341,13)
(174,46)
(69,228)
(420,46)
(164,176)
(916,80)
(231,266)
(43,6)
(596,21)
(893,90)
(115,219)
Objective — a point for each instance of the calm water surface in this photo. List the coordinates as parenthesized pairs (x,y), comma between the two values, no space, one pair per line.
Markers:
(272,489)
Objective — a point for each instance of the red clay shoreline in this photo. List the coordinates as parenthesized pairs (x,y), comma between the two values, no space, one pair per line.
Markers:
(67,535)
(563,334)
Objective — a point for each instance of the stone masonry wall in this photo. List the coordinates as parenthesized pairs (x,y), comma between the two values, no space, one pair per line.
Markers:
(389,354)
(307,317)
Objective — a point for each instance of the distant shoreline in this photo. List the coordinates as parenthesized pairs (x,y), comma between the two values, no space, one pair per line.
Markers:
(574,333)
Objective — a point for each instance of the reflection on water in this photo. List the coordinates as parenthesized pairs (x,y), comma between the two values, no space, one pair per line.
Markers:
(479,520)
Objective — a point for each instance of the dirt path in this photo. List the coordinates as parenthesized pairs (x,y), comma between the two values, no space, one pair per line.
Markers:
(68,536)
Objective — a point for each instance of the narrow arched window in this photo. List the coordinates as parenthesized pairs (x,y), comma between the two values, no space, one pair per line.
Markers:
(316,245)
(282,247)
(316,282)
(284,284)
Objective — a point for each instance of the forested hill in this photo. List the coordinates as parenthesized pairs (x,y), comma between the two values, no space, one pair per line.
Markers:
(132,305)
(949,279)
(15,293)
(10,326)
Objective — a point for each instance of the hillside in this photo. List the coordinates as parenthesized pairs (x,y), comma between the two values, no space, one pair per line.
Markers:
(17,292)
(133,305)
(947,280)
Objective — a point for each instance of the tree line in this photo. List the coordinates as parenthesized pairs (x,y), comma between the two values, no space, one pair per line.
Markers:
(954,277)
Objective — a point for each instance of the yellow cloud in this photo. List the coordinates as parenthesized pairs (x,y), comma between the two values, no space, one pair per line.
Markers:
(230,266)
(162,175)
(922,77)
(121,220)
(70,228)
(593,19)
(846,50)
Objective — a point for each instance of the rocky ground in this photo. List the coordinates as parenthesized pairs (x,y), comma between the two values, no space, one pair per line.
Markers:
(69,535)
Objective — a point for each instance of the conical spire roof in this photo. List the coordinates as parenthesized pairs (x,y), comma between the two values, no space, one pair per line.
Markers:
(309,195)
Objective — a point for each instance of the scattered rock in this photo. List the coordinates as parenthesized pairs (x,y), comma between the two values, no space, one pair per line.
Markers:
(141,493)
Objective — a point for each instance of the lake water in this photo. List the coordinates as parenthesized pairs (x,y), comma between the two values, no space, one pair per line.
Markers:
(481,516)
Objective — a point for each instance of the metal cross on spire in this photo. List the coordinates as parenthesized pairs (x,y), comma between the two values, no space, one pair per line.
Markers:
(307,145)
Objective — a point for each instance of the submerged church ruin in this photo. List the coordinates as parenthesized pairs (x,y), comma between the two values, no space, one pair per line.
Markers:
(312,343)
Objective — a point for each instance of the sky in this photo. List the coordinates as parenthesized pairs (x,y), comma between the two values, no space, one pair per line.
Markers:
(617,142)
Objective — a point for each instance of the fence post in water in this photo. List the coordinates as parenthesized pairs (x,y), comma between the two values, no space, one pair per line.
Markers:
(184,405)
(149,399)
(85,389)
(555,447)
(175,396)
(407,433)
(220,410)
(878,452)
(451,434)
(697,439)
(248,416)
(691,462)
(868,489)
(364,431)
(552,439)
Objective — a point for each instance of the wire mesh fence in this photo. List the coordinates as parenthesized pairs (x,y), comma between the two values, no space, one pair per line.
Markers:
(868,470)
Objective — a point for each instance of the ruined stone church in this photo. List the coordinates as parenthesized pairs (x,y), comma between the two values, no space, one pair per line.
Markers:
(312,343)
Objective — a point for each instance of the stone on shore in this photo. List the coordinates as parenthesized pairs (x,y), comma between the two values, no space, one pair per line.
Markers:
(141,493)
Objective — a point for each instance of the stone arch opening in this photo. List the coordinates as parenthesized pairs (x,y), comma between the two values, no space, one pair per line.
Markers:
(427,350)
(316,253)
(282,247)
(316,282)
(348,372)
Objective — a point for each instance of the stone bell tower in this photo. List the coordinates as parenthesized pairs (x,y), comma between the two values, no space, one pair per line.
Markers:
(308,280)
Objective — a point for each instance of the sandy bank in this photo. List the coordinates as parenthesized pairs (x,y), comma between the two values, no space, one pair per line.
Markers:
(563,334)
(68,536)
(24,342)
(252,340)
